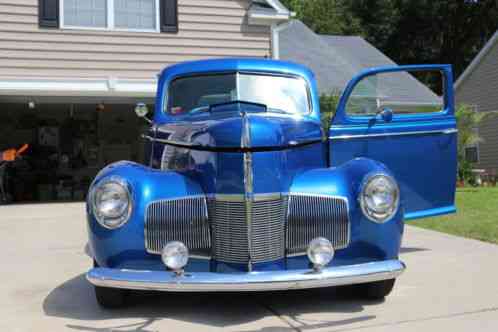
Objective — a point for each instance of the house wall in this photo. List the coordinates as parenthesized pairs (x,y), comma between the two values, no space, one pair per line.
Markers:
(207,29)
(480,89)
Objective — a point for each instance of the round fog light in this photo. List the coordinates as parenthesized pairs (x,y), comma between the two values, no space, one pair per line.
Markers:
(320,252)
(175,255)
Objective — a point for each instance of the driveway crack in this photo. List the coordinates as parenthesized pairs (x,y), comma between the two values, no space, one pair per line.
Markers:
(457,314)
(283,318)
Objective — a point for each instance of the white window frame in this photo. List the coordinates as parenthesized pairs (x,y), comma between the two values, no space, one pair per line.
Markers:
(110,20)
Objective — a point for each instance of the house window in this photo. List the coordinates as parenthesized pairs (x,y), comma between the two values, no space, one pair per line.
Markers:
(128,15)
(135,14)
(88,13)
(472,154)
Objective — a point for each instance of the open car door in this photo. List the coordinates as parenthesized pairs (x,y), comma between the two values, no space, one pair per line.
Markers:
(403,117)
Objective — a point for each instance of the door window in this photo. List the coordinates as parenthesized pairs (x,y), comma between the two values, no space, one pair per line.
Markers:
(405,93)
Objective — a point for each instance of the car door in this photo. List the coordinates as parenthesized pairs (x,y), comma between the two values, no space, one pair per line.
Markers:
(389,115)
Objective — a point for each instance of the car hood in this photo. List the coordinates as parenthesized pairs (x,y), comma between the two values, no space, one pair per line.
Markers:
(240,126)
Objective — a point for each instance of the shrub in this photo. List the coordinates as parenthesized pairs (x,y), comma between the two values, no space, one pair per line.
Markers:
(328,107)
(467,122)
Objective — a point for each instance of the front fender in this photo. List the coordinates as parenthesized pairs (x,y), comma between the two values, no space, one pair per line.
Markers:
(368,240)
(127,243)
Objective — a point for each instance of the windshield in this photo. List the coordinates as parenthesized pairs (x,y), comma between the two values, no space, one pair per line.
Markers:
(282,94)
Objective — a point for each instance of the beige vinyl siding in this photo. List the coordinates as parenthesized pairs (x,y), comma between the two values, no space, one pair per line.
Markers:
(480,89)
(207,29)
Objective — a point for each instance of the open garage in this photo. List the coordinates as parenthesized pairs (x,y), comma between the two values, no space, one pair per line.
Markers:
(70,139)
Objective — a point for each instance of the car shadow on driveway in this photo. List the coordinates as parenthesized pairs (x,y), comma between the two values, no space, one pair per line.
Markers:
(74,300)
(408,250)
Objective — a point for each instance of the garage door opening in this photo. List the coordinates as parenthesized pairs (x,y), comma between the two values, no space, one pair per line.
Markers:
(69,143)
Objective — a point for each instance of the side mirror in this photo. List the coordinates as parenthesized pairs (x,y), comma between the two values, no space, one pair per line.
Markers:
(141,110)
(386,114)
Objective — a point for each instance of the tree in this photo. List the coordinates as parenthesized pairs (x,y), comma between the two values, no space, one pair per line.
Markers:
(378,19)
(430,31)
(425,31)
(332,17)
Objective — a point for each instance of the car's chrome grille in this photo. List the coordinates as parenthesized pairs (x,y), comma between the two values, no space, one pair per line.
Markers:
(316,216)
(229,230)
(268,229)
(218,226)
(230,235)
(184,220)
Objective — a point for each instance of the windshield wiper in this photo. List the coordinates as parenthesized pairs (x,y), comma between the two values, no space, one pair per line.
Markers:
(234,102)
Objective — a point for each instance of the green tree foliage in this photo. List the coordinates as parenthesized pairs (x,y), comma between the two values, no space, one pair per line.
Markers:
(440,31)
(328,106)
(332,17)
(377,19)
(425,31)
(467,122)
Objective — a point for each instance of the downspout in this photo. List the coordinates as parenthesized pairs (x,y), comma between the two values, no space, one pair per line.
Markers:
(275,42)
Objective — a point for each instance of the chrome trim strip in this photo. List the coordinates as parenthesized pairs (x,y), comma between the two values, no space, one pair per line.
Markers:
(248,184)
(230,197)
(207,257)
(176,143)
(268,196)
(227,197)
(190,145)
(170,142)
(319,195)
(297,254)
(241,197)
(423,132)
(251,281)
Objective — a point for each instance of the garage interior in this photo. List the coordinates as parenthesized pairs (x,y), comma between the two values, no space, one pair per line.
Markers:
(70,140)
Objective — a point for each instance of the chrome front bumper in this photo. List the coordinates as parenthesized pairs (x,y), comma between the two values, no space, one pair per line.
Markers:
(250,281)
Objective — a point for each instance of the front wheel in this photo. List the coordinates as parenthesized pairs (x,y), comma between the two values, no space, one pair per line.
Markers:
(376,290)
(110,297)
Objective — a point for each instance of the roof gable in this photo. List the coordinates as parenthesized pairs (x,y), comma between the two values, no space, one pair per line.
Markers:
(335,60)
(477,60)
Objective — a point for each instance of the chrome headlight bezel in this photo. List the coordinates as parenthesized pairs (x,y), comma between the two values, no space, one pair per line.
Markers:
(104,220)
(379,217)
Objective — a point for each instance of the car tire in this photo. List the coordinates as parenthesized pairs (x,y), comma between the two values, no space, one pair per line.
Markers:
(110,298)
(377,290)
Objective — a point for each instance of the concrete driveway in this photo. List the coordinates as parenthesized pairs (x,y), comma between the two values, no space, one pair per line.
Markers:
(451,284)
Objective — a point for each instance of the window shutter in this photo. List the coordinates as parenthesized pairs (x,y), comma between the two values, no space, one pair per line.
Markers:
(48,13)
(169,15)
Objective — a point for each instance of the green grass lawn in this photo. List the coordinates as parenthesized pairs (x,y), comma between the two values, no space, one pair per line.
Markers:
(477,215)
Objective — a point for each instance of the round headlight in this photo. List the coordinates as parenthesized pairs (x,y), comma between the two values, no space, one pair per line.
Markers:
(379,198)
(111,202)
(320,252)
(175,255)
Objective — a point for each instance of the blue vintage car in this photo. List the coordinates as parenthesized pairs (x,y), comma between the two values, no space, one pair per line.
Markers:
(245,189)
